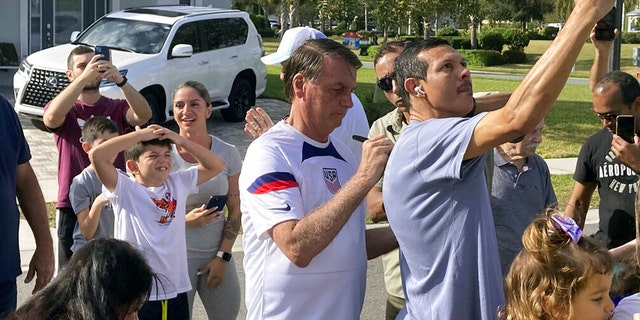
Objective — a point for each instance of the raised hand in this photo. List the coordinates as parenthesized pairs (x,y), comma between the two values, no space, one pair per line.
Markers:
(258,122)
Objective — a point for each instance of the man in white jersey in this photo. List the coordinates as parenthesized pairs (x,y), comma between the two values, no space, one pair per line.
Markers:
(304,238)
(354,122)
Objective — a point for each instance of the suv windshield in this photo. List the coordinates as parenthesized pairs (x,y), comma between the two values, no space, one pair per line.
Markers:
(128,35)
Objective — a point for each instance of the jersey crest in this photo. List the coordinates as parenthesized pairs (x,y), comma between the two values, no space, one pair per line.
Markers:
(166,205)
(331,179)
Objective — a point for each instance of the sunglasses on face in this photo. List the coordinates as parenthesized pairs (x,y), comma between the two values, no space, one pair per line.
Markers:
(610,116)
(386,83)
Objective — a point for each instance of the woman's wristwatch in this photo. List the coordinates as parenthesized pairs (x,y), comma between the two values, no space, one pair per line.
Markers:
(225,256)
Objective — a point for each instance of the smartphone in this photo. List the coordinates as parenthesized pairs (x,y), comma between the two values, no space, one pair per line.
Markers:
(625,127)
(104,51)
(216,201)
(606,26)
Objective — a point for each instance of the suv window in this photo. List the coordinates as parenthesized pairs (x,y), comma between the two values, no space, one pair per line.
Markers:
(187,34)
(130,35)
(223,33)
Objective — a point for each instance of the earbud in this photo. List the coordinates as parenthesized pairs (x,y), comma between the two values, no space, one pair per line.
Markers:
(419,90)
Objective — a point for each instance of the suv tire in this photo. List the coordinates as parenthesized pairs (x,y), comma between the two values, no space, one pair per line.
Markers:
(157,112)
(241,99)
(39,125)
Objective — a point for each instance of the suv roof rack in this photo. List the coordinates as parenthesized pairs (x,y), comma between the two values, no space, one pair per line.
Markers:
(173,11)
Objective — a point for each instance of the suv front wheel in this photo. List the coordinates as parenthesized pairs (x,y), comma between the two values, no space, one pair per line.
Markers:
(158,111)
(241,99)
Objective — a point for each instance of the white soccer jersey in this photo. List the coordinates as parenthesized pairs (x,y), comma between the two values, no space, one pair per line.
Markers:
(285,176)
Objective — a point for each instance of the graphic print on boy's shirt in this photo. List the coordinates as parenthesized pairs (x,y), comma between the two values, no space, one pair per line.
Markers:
(166,205)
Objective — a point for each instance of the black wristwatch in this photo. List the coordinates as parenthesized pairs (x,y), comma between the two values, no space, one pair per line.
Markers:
(122,83)
(226,256)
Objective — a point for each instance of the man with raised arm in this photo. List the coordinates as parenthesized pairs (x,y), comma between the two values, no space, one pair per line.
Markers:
(435,193)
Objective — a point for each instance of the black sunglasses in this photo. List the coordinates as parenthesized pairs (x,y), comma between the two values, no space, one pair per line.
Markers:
(610,116)
(386,83)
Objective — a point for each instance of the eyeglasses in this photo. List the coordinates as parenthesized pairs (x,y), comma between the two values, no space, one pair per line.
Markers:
(610,116)
(386,83)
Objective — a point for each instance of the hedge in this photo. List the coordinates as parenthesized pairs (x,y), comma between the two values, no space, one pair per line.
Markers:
(482,58)
(514,56)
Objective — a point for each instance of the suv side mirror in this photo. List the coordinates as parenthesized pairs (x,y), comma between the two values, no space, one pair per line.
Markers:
(182,51)
(74,36)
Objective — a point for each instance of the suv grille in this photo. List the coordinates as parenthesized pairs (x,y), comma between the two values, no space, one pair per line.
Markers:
(43,86)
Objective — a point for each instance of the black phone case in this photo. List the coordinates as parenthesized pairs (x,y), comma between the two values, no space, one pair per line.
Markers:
(103,50)
(605,28)
(216,201)
(625,128)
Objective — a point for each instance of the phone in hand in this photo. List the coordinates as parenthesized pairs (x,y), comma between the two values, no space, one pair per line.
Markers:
(605,28)
(625,127)
(216,201)
(104,51)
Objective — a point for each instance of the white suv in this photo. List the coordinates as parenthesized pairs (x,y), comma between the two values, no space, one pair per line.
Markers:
(158,48)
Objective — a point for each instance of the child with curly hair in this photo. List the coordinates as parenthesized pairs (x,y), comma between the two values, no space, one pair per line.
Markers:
(559,274)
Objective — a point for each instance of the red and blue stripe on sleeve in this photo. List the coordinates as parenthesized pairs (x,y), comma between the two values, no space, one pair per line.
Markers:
(273,181)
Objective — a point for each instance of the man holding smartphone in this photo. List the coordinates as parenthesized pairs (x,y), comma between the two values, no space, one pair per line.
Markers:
(606,161)
(65,115)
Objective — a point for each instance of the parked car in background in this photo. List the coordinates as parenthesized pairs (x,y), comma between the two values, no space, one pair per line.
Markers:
(158,48)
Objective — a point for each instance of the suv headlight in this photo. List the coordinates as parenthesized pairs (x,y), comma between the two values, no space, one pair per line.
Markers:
(25,67)
(107,83)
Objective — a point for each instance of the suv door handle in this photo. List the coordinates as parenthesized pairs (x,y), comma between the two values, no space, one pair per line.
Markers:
(202,63)
(233,57)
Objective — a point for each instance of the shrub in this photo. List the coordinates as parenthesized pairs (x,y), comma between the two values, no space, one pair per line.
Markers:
(330,32)
(267,33)
(364,34)
(447,32)
(459,42)
(515,39)
(482,58)
(514,56)
(341,28)
(550,33)
(363,49)
(259,21)
(630,37)
(410,38)
(371,51)
(491,40)
(535,35)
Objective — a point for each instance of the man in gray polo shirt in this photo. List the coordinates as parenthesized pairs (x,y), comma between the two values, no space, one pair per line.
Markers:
(520,191)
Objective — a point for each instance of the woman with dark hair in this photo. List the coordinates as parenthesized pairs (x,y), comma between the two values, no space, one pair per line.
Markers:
(105,279)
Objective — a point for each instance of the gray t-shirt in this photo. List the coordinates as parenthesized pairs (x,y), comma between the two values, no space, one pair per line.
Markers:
(517,198)
(85,188)
(438,207)
(204,241)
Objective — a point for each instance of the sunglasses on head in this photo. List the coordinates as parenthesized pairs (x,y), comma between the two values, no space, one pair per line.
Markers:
(386,83)
(610,116)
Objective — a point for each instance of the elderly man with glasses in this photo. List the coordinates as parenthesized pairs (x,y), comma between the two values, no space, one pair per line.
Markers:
(606,161)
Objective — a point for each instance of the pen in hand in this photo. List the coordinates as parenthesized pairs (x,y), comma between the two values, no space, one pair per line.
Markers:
(359,138)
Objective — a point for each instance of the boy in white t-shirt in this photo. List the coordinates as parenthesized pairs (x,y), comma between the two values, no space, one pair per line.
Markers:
(149,208)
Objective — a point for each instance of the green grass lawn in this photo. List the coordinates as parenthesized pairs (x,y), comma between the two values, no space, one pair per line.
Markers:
(562,185)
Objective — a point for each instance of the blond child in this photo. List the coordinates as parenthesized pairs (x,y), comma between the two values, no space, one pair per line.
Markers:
(559,274)
(149,208)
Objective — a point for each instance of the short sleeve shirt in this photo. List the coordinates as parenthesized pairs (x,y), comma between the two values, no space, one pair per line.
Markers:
(15,152)
(617,186)
(438,207)
(71,158)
